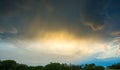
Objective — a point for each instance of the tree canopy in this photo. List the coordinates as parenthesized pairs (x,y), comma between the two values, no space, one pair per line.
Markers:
(13,65)
(115,66)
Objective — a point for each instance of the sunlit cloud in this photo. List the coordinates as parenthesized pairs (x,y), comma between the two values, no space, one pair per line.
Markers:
(43,31)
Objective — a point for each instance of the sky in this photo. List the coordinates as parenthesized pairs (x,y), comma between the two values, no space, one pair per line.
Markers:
(37,32)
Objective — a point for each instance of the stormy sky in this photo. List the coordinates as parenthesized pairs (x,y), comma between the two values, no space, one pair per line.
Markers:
(36,32)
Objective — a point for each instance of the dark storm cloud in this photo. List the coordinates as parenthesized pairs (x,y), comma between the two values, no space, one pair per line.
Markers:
(30,17)
(15,15)
(112,26)
(27,18)
(93,13)
(13,7)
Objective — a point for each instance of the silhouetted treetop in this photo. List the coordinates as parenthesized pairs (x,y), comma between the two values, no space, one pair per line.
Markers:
(13,65)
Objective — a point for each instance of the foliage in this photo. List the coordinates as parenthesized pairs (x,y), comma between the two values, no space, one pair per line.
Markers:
(8,64)
(12,65)
(114,66)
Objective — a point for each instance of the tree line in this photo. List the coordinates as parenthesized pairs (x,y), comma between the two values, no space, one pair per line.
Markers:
(13,65)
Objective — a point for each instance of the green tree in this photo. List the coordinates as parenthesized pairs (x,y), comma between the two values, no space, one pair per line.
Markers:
(75,67)
(0,64)
(53,66)
(89,67)
(21,67)
(64,67)
(8,64)
(38,67)
(99,68)
(115,66)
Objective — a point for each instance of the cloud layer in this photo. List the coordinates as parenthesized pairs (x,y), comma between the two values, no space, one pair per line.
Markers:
(64,31)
